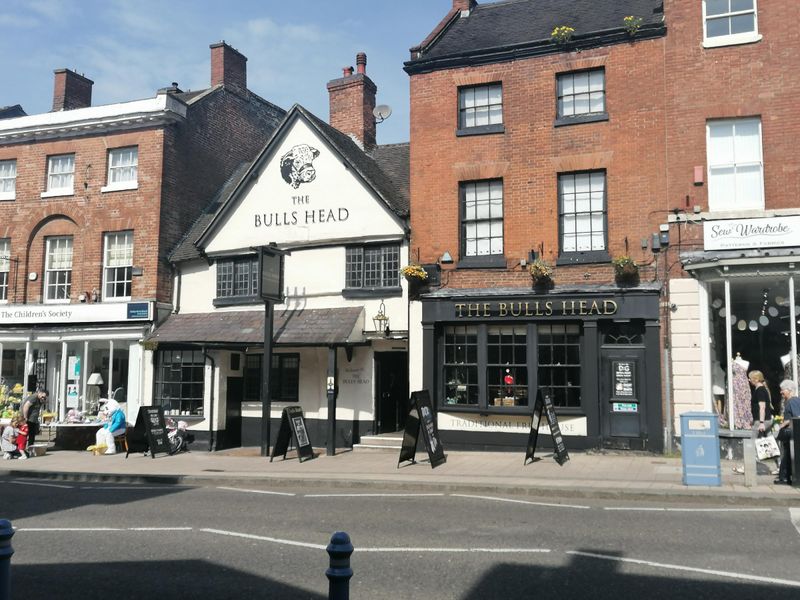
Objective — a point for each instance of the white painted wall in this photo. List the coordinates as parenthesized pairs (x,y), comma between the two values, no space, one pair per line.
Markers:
(687,349)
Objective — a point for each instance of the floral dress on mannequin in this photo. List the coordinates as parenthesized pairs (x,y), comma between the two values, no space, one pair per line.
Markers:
(742,412)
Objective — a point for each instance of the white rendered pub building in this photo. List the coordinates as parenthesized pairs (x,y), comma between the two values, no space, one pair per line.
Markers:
(337,204)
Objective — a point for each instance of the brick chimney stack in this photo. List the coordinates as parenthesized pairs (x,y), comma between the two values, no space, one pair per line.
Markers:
(352,100)
(71,90)
(464,5)
(228,66)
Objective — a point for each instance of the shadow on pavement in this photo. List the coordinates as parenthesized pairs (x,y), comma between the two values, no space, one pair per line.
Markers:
(600,579)
(137,580)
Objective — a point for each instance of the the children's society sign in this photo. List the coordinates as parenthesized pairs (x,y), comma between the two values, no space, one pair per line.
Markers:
(734,234)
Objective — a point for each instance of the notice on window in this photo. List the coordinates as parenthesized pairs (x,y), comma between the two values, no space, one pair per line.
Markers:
(623,373)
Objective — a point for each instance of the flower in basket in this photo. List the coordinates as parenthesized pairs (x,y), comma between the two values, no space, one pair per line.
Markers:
(632,24)
(414,272)
(541,271)
(625,269)
(562,34)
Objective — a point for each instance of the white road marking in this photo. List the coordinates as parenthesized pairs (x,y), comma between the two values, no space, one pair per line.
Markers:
(233,489)
(133,487)
(92,529)
(794,517)
(728,574)
(370,495)
(55,485)
(553,504)
(159,528)
(664,509)
(262,538)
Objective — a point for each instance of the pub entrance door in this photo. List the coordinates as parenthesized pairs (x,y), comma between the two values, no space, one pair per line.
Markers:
(391,391)
(233,412)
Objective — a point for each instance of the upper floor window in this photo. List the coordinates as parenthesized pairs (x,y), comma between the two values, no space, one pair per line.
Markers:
(237,277)
(730,22)
(60,174)
(118,265)
(480,108)
(123,165)
(735,167)
(582,215)
(372,266)
(58,269)
(5,267)
(581,96)
(8,179)
(482,218)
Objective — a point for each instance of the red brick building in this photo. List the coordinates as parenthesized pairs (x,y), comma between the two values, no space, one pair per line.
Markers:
(524,147)
(92,200)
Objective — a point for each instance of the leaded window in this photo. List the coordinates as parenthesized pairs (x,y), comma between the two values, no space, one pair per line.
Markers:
(180,381)
(372,266)
(237,277)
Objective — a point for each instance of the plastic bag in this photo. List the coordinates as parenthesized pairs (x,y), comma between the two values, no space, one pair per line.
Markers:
(767,447)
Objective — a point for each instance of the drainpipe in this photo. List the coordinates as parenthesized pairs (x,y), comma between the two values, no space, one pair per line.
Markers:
(211,400)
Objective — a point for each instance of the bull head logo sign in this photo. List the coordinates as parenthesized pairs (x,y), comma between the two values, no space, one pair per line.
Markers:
(296,167)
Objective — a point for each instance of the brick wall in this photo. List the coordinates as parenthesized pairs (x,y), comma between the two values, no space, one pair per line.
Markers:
(531,153)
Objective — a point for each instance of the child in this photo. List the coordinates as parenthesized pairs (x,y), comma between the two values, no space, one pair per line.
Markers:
(22,438)
(8,441)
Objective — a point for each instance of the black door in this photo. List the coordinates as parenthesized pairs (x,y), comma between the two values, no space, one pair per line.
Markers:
(233,412)
(622,406)
(391,391)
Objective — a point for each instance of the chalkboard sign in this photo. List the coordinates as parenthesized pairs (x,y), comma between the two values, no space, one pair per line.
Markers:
(544,406)
(421,417)
(293,426)
(149,432)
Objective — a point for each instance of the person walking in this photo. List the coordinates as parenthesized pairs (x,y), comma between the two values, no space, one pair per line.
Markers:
(30,412)
(791,410)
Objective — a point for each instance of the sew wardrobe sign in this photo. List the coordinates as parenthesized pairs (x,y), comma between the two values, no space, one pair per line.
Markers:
(772,232)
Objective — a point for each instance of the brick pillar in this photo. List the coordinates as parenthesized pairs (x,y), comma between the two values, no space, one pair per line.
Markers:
(71,90)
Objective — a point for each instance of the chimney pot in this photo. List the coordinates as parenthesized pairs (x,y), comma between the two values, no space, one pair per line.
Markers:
(361,63)
(71,90)
(347,71)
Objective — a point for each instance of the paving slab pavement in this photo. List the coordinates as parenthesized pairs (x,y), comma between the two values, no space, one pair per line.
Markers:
(628,476)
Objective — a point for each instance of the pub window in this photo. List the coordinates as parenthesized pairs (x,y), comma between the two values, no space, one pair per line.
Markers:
(559,363)
(369,267)
(237,277)
(284,377)
(507,366)
(180,380)
(461,365)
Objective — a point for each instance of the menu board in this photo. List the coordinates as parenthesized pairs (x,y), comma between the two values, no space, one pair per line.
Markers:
(293,425)
(544,407)
(421,417)
(149,432)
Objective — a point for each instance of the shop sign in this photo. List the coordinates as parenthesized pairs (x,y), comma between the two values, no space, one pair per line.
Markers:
(624,407)
(569,425)
(733,234)
(65,314)
(536,308)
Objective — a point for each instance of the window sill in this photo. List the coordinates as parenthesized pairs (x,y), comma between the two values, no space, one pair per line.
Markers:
(4,196)
(482,130)
(237,300)
(62,302)
(56,193)
(583,258)
(493,261)
(381,292)
(119,188)
(732,40)
(593,118)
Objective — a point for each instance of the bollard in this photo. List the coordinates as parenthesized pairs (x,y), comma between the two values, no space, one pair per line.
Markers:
(339,572)
(6,533)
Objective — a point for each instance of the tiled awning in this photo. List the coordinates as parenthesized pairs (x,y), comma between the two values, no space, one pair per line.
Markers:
(304,327)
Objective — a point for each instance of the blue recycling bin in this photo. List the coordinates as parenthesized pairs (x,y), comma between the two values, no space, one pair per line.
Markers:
(700,449)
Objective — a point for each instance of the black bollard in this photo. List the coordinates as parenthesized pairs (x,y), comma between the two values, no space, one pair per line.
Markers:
(339,573)
(6,533)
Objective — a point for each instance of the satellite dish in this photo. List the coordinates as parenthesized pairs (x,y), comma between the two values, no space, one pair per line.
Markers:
(382,112)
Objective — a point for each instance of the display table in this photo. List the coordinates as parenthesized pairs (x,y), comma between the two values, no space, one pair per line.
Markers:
(75,436)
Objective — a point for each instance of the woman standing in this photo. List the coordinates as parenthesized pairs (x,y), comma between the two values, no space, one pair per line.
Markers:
(761,404)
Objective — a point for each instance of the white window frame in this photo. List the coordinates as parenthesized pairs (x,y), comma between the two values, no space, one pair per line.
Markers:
(108,268)
(128,184)
(5,268)
(733,204)
(63,190)
(9,165)
(49,271)
(731,39)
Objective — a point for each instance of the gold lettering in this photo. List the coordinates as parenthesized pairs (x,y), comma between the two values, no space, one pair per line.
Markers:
(528,312)
(459,310)
(502,309)
(609,307)
(473,307)
(595,309)
(487,309)
(582,305)
(539,313)
(518,312)
(548,308)
(568,307)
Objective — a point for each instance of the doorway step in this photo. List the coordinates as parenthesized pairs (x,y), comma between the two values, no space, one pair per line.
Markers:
(386,442)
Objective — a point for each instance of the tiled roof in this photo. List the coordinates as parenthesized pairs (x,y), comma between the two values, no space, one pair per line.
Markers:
(516,23)
(9,112)
(393,159)
(315,327)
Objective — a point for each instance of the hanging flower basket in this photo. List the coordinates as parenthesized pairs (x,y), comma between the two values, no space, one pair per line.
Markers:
(541,274)
(626,271)
(414,272)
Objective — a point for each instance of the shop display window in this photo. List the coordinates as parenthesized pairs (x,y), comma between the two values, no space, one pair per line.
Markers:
(461,365)
(559,363)
(507,366)
(180,382)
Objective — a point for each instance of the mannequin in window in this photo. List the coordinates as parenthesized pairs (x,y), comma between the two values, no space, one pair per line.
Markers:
(718,389)
(742,397)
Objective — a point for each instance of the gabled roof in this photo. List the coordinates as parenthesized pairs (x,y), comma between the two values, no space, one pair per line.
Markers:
(518,28)
(385,170)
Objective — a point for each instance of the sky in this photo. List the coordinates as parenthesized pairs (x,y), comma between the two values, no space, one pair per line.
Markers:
(131,48)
